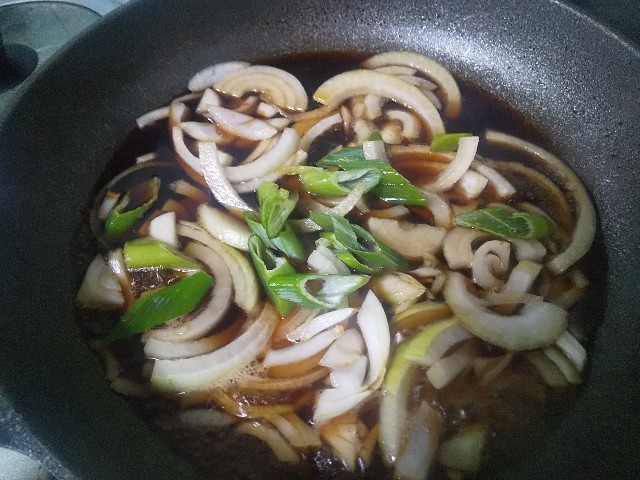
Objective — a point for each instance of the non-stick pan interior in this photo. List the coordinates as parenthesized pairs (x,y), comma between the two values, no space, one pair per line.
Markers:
(574,80)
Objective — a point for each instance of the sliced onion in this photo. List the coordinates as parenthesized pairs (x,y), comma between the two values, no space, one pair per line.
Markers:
(217,180)
(372,106)
(345,206)
(564,365)
(163,227)
(362,82)
(536,325)
(210,75)
(397,288)
(189,160)
(396,211)
(333,402)
(421,314)
(501,185)
(427,66)
(288,325)
(323,260)
(472,184)
(200,372)
(294,436)
(154,348)
(441,373)
(486,369)
(573,350)
(151,117)
(411,240)
(410,124)
(216,307)
(363,129)
(240,124)
(177,112)
(547,370)
(186,189)
(285,147)
(463,451)
(528,249)
(285,383)
(147,157)
(266,110)
(375,150)
(522,277)
(324,126)
(279,123)
(246,289)
(491,257)
(350,376)
(448,335)
(100,287)
(439,208)
(209,97)
(396,70)
(344,441)
(375,330)
(467,147)
(229,230)
(423,84)
(205,132)
(278,445)
(424,428)
(457,246)
(585,226)
(294,160)
(282,89)
(318,324)
(345,350)
(302,350)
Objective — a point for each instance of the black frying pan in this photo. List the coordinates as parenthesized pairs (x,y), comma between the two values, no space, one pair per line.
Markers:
(575,80)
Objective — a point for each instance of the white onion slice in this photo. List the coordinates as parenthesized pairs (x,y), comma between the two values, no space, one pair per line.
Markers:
(147,157)
(275,157)
(163,227)
(177,112)
(372,106)
(422,83)
(446,338)
(457,246)
(266,110)
(467,147)
(344,351)
(322,127)
(294,160)
(109,201)
(573,350)
(375,150)
(410,124)
(210,75)
(345,206)
(439,208)
(151,117)
(99,287)
(528,249)
(397,288)
(226,228)
(217,180)
(323,260)
(318,324)
(279,123)
(585,226)
(302,350)
(240,124)
(411,240)
(246,290)
(374,326)
(535,325)
(501,185)
(522,277)
(349,377)
(195,373)
(396,70)
(209,97)
(282,89)
(333,402)
(192,162)
(447,368)
(491,257)
(205,132)
(362,82)
(415,460)
(472,184)
(427,66)
(216,307)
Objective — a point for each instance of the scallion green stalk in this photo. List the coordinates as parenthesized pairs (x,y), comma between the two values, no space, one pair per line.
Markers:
(319,181)
(160,306)
(276,204)
(268,265)
(503,223)
(149,252)
(446,141)
(316,290)
(131,208)
(286,242)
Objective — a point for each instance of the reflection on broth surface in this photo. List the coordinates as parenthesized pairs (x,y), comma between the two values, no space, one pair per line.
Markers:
(376,283)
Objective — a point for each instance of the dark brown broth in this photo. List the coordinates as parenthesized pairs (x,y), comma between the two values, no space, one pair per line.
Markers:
(516,405)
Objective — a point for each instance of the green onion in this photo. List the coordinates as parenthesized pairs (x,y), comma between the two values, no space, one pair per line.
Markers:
(367,248)
(374,137)
(330,290)
(138,201)
(160,306)
(150,252)
(352,262)
(392,187)
(503,223)
(319,181)
(446,141)
(276,204)
(286,242)
(267,265)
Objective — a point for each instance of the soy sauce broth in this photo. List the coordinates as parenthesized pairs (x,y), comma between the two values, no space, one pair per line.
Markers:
(519,408)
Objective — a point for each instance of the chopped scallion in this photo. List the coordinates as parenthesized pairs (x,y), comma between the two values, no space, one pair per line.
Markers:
(446,141)
(276,204)
(316,290)
(503,223)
